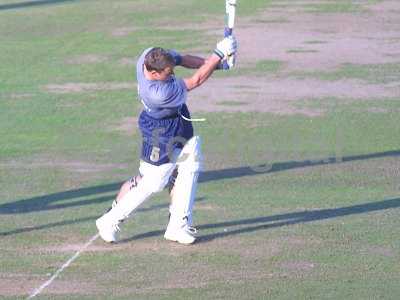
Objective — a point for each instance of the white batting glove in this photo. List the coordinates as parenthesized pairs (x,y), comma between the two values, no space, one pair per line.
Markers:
(226,47)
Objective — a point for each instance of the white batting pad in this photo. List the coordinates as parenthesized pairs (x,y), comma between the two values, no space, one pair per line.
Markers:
(189,164)
(154,179)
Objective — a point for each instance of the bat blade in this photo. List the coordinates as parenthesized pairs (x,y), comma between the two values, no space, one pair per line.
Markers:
(230,8)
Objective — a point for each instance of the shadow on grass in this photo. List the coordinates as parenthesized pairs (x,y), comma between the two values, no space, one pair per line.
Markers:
(61,200)
(26,4)
(49,225)
(268,222)
(81,220)
(52,201)
(283,166)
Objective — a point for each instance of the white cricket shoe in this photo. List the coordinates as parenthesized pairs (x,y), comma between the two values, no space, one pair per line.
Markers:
(181,234)
(108,231)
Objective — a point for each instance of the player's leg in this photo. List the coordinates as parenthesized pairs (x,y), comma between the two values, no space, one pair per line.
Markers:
(154,179)
(183,193)
(126,187)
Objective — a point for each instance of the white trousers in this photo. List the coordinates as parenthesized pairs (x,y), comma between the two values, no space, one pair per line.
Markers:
(188,161)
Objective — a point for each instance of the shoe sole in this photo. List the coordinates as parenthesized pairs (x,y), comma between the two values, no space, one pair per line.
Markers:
(107,241)
(177,241)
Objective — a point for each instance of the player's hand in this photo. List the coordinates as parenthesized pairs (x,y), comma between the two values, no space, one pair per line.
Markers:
(226,47)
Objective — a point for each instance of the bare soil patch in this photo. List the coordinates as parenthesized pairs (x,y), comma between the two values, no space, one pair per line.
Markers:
(88,87)
(380,251)
(22,285)
(278,95)
(86,59)
(127,61)
(298,266)
(207,207)
(138,246)
(65,164)
(306,42)
(127,126)
(73,287)
(359,38)
(122,31)
(20,96)
(17,286)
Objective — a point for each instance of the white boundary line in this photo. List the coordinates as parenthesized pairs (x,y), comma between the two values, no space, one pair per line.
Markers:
(63,267)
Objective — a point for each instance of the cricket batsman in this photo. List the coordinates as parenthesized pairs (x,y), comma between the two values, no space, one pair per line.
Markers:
(171,154)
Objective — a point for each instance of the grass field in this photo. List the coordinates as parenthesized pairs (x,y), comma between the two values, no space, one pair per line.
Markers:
(299,198)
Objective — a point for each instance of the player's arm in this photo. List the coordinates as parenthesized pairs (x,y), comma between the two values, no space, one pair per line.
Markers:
(224,48)
(203,73)
(192,62)
(187,60)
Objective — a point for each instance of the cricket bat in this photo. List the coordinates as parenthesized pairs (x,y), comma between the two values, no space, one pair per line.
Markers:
(230,8)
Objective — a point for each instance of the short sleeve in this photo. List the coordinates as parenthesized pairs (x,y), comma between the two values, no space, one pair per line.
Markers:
(177,57)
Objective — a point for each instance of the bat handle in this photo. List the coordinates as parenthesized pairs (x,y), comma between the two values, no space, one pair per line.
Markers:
(227,32)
